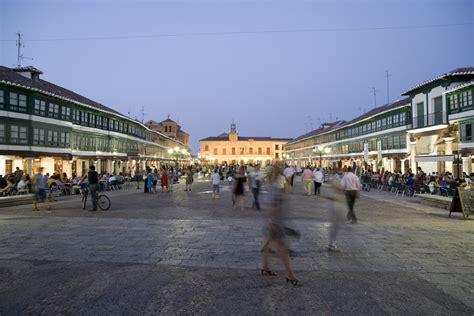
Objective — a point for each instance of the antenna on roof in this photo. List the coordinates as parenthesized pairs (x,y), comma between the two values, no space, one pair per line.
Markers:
(169,116)
(143,113)
(388,86)
(374,91)
(20,44)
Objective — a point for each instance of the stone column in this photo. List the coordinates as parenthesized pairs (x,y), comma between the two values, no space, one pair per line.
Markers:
(29,166)
(402,165)
(412,156)
(465,165)
(448,150)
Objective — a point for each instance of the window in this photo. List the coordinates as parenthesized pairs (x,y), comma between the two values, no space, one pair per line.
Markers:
(17,102)
(379,124)
(453,102)
(2,133)
(251,150)
(233,150)
(120,127)
(259,150)
(92,120)
(98,121)
(224,151)
(38,136)
(384,123)
(76,116)
(53,110)
(206,147)
(402,118)
(18,134)
(40,108)
(268,150)
(396,141)
(52,138)
(469,98)
(277,147)
(116,125)
(64,139)
(242,150)
(2,99)
(84,118)
(65,113)
(395,119)
(215,151)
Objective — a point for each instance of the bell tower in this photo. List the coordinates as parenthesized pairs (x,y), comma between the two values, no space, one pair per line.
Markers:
(233,135)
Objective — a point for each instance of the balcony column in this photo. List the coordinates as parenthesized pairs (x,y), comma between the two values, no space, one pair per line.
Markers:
(402,166)
(448,150)
(412,155)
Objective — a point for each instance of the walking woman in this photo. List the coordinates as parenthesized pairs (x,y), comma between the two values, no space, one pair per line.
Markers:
(189,178)
(164,179)
(170,179)
(149,183)
(274,228)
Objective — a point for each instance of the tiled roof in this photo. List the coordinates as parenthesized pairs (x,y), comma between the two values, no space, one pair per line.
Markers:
(460,86)
(320,130)
(224,137)
(28,69)
(465,71)
(340,124)
(9,76)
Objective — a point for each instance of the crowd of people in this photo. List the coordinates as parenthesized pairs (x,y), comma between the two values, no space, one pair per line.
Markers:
(19,182)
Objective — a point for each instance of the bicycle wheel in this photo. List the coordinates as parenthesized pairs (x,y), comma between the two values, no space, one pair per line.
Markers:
(84,201)
(104,202)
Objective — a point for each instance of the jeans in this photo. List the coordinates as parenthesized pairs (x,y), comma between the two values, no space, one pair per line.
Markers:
(350,198)
(94,195)
(317,188)
(256,192)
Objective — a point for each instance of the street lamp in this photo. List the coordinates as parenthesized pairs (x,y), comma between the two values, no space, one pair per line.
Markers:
(321,149)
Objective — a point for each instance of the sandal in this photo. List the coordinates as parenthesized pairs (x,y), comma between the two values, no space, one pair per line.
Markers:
(268,272)
(293,282)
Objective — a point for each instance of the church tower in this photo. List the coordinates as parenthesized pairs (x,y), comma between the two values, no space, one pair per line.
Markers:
(233,135)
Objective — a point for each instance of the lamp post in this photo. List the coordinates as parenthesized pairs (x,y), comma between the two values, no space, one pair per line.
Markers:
(321,149)
(457,159)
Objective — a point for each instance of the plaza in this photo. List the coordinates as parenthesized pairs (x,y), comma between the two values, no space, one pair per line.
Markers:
(184,253)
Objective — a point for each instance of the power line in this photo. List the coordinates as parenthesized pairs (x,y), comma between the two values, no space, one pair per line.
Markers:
(343,29)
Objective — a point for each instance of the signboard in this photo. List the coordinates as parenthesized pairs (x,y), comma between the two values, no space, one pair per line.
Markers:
(463,202)
(379,150)
(366,152)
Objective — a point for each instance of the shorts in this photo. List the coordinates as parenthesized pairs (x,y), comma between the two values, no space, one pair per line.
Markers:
(215,188)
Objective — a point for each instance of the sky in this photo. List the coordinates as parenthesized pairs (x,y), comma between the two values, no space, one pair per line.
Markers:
(271,83)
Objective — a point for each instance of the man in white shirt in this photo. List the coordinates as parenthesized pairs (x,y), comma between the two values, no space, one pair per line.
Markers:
(216,180)
(288,173)
(351,184)
(318,180)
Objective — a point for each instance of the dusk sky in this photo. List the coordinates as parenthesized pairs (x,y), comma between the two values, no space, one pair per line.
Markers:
(271,83)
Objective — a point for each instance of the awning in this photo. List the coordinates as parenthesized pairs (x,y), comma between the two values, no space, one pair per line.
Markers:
(434,158)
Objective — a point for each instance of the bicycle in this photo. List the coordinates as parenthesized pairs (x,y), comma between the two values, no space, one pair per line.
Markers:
(103,200)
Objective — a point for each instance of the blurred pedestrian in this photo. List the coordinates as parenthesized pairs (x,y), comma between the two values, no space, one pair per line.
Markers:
(274,229)
(307,180)
(216,180)
(318,181)
(170,179)
(334,194)
(40,188)
(189,178)
(239,188)
(164,179)
(351,184)
(256,184)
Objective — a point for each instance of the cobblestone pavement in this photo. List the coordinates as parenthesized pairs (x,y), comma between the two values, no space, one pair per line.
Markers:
(181,252)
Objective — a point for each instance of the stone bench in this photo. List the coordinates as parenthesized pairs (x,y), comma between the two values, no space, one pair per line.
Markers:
(436,201)
(6,201)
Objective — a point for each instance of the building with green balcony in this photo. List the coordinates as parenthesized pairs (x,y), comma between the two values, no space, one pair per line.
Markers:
(45,125)
(374,140)
(437,111)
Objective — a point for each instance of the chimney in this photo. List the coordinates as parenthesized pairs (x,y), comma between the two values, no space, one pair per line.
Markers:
(29,72)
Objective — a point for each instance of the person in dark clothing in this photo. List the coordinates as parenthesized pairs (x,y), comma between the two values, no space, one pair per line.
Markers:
(3,182)
(93,183)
